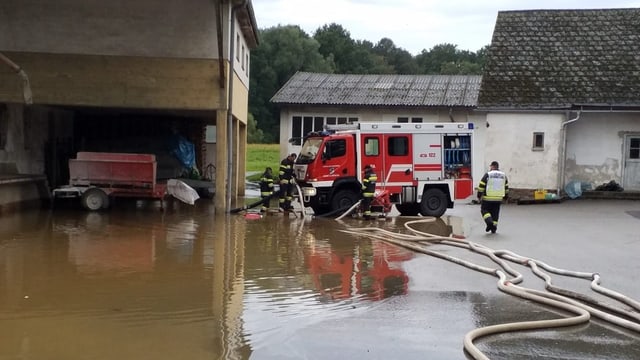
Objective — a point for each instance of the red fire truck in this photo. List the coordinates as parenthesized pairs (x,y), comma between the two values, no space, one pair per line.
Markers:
(423,167)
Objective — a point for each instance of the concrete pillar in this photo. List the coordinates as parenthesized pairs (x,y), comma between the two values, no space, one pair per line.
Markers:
(242,157)
(234,157)
(222,155)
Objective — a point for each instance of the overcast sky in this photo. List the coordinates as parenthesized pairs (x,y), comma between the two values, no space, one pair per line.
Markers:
(413,25)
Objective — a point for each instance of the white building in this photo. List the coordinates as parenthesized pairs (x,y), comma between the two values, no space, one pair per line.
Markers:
(553,107)
(563,103)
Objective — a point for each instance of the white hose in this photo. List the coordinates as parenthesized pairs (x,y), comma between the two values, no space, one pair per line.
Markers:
(301,199)
(349,210)
(555,297)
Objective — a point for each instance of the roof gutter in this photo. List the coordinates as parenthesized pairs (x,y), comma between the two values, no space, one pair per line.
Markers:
(563,151)
(26,87)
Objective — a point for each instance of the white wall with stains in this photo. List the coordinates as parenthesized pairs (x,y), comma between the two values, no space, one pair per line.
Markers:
(509,140)
(595,146)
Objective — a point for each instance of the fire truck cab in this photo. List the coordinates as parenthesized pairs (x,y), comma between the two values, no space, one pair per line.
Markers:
(423,167)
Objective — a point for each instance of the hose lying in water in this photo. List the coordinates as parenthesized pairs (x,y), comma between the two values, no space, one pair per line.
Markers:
(301,199)
(344,211)
(349,210)
(559,298)
(257,203)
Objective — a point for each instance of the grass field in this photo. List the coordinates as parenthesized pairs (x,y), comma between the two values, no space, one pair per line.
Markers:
(260,156)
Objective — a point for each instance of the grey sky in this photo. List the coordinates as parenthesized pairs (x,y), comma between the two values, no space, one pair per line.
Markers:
(413,25)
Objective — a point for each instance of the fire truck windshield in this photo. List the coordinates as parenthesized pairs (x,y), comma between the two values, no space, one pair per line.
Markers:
(309,150)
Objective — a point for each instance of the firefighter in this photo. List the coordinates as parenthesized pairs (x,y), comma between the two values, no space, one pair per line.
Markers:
(287,181)
(368,190)
(266,188)
(493,188)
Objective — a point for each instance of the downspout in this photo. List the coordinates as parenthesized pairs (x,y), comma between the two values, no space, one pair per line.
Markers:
(26,87)
(220,45)
(563,155)
(232,61)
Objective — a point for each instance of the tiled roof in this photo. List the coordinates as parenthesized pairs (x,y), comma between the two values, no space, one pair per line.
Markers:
(559,58)
(306,88)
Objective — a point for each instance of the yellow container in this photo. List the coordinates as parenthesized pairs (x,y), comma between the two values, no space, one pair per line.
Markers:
(539,194)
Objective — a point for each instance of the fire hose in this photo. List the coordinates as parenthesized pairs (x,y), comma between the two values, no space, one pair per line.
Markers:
(262,200)
(580,305)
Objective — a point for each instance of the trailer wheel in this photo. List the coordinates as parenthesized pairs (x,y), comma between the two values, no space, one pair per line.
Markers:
(411,209)
(434,203)
(94,199)
(344,199)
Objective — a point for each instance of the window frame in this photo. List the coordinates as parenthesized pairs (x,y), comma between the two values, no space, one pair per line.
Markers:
(371,143)
(537,141)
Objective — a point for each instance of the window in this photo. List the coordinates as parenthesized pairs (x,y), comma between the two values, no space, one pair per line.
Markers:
(371,146)
(403,119)
(296,130)
(247,61)
(416,119)
(210,134)
(302,125)
(335,148)
(243,57)
(398,146)
(634,148)
(538,141)
(238,47)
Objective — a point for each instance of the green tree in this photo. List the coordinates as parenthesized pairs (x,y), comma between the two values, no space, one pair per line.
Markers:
(283,51)
(399,59)
(254,135)
(446,59)
(349,56)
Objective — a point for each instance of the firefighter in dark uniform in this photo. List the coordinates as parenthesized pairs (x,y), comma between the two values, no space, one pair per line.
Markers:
(493,188)
(368,190)
(266,188)
(287,181)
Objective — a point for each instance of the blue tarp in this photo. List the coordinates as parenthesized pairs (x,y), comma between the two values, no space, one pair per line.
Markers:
(183,150)
(575,188)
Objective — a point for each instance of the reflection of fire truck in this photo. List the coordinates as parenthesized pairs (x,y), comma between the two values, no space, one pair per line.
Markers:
(373,272)
(422,166)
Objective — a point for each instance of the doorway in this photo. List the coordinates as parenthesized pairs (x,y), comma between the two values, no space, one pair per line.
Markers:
(631,176)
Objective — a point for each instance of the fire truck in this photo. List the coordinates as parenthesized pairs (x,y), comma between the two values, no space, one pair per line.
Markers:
(421,167)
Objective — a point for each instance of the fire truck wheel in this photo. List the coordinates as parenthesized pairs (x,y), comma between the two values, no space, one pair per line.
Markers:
(94,199)
(434,203)
(408,209)
(344,199)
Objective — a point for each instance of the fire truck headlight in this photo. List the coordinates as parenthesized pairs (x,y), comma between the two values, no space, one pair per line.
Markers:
(308,191)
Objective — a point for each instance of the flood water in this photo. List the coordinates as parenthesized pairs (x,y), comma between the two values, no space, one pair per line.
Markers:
(139,283)
(143,283)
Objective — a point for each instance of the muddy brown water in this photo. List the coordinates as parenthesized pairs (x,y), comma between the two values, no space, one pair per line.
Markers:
(137,282)
(184,283)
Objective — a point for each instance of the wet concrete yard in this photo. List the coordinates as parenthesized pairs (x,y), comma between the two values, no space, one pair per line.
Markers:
(136,282)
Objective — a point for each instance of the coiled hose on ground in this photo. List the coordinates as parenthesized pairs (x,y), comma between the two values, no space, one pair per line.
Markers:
(582,306)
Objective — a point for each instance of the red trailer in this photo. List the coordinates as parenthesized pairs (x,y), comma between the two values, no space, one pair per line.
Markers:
(94,177)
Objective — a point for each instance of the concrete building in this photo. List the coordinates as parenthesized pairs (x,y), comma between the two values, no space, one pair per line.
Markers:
(122,76)
(561,89)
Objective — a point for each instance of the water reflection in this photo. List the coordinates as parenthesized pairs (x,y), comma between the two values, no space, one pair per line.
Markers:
(137,281)
(128,284)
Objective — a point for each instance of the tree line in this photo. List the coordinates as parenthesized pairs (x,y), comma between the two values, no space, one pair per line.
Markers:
(284,50)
